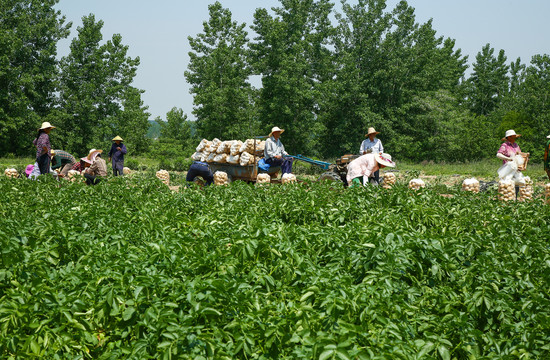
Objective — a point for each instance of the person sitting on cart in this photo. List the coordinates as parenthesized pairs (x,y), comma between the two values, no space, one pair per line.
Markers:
(274,151)
(202,169)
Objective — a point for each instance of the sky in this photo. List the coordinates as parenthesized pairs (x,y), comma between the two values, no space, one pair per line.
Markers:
(157,32)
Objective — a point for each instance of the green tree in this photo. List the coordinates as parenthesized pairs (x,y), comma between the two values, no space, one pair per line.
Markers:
(489,82)
(292,54)
(96,90)
(218,72)
(133,121)
(387,62)
(527,108)
(29,32)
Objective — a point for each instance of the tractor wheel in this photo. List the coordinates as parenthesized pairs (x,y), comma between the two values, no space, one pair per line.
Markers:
(330,176)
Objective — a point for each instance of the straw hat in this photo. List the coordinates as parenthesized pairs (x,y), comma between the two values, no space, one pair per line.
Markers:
(275,129)
(117,138)
(371,131)
(93,153)
(548,137)
(510,133)
(46,125)
(52,152)
(86,160)
(384,159)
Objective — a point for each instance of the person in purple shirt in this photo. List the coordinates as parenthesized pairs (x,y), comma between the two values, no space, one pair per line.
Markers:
(116,155)
(43,148)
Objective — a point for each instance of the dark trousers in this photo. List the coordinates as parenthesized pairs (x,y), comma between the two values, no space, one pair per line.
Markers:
(376,176)
(44,164)
(118,168)
(92,180)
(202,171)
(284,163)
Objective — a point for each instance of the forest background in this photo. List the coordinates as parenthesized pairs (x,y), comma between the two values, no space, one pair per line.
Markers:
(324,81)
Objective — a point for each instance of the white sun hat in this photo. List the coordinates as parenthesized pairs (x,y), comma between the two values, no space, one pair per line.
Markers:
(384,159)
(510,133)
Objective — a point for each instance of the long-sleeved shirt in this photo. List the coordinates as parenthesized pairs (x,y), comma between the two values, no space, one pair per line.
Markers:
(115,154)
(62,158)
(43,140)
(508,149)
(375,145)
(362,166)
(98,168)
(274,148)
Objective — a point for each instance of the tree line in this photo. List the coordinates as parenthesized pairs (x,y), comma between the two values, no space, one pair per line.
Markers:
(323,75)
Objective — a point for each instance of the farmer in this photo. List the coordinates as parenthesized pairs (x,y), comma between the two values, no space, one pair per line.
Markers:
(82,165)
(363,168)
(509,147)
(98,170)
(117,155)
(43,148)
(63,161)
(372,145)
(546,158)
(274,151)
(202,169)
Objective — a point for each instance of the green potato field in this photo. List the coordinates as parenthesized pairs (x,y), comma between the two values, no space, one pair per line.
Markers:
(131,270)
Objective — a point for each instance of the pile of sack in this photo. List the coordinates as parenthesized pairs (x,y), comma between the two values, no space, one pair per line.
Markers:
(234,152)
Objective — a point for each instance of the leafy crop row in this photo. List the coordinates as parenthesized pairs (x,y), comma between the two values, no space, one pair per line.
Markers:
(128,269)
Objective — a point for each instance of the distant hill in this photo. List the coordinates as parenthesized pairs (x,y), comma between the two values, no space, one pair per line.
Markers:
(154,130)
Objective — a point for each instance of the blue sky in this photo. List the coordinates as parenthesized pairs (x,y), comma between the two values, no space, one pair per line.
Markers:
(157,32)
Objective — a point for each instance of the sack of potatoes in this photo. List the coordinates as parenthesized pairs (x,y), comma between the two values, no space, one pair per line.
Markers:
(164,176)
(11,173)
(74,175)
(221,178)
(389,180)
(126,170)
(263,179)
(471,185)
(506,190)
(203,145)
(416,184)
(288,178)
(526,191)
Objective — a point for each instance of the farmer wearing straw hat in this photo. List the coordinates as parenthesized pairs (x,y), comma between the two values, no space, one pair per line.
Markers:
(98,170)
(547,158)
(116,154)
(274,151)
(43,147)
(364,167)
(372,145)
(509,147)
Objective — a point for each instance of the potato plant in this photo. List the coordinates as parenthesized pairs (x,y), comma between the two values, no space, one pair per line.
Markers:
(129,269)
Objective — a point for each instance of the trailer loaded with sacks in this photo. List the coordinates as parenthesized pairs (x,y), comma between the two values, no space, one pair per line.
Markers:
(240,160)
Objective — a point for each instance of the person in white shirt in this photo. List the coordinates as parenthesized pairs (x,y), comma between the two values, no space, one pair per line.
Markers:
(372,145)
(364,167)
(274,151)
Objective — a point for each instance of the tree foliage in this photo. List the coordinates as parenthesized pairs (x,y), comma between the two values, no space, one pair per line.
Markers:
(29,31)
(218,73)
(96,95)
(291,54)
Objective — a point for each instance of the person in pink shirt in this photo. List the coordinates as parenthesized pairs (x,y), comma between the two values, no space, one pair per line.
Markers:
(365,166)
(509,147)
